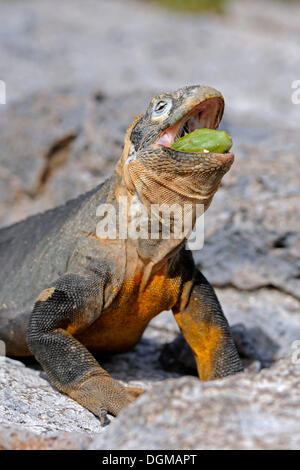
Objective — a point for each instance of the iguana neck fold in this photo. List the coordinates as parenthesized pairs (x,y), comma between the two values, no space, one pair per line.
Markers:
(150,172)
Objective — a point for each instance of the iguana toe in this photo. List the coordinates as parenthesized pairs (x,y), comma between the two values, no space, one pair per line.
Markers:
(133,393)
(101,395)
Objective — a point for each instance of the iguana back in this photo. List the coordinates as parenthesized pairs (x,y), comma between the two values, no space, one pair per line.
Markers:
(35,252)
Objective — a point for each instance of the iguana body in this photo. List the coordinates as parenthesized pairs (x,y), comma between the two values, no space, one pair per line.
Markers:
(99,294)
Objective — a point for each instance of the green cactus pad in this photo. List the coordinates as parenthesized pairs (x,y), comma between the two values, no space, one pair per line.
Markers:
(203,141)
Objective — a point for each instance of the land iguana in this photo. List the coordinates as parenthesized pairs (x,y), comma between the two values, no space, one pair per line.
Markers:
(65,291)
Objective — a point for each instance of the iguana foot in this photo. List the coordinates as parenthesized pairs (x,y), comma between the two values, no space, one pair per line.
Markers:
(102,394)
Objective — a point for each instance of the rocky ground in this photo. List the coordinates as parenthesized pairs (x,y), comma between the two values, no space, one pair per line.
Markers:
(75,78)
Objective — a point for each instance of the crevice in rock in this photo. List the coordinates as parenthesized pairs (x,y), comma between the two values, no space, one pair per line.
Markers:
(56,156)
(99,96)
(282,241)
(269,286)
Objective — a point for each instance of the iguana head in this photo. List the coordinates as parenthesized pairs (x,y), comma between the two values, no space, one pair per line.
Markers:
(160,174)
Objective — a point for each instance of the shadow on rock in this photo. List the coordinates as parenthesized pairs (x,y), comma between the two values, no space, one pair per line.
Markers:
(252,344)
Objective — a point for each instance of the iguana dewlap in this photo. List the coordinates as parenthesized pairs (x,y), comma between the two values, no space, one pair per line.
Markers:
(66,292)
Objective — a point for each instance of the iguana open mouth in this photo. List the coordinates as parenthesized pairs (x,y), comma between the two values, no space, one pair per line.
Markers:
(207,114)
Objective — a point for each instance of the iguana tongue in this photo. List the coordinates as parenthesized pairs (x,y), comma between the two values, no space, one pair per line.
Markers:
(199,117)
(168,137)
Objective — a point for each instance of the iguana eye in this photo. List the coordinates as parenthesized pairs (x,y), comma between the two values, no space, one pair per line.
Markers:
(161,107)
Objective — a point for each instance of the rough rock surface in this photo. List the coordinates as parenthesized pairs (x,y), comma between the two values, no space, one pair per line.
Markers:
(18,438)
(36,404)
(68,140)
(75,79)
(246,411)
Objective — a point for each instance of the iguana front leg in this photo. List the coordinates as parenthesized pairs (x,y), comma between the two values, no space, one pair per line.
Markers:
(205,328)
(61,311)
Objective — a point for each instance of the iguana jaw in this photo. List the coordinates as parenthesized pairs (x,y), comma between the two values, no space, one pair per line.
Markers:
(206,114)
(158,172)
(167,118)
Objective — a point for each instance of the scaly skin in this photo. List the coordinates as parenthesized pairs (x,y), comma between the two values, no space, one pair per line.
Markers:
(99,294)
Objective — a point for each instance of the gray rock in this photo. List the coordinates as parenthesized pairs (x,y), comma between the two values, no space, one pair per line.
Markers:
(28,399)
(246,411)
(41,46)
(58,144)
(270,319)
(15,437)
